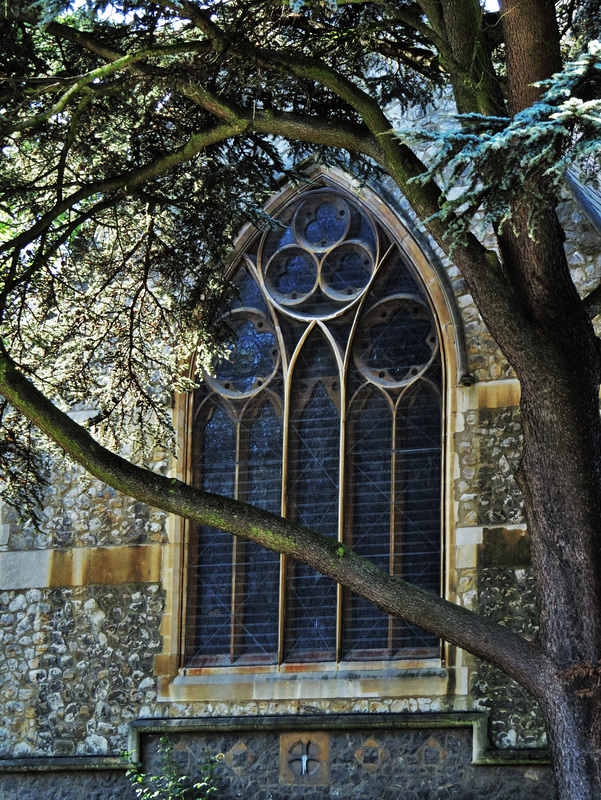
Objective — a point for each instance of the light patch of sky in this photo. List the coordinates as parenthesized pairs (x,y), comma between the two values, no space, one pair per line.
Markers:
(111,13)
(492,5)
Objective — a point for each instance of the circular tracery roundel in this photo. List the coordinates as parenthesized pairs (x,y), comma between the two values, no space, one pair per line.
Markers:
(397,341)
(346,271)
(252,359)
(321,222)
(325,258)
(291,275)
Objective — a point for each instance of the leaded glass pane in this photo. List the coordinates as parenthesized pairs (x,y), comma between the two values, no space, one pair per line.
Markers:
(419,489)
(211,565)
(248,294)
(368,523)
(257,598)
(252,358)
(313,467)
(325,259)
(291,275)
(397,341)
(396,278)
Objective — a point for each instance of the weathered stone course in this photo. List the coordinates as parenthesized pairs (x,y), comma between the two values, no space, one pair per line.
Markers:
(406,765)
(105,785)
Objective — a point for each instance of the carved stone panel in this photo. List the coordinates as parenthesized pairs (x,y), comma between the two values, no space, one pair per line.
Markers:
(305,759)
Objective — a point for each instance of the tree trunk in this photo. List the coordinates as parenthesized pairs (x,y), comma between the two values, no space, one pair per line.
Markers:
(560,482)
(573,725)
(560,473)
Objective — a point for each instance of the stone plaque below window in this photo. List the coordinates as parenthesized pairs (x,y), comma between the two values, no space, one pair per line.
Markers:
(305,759)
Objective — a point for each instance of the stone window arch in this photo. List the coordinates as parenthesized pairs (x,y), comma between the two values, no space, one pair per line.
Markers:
(329,410)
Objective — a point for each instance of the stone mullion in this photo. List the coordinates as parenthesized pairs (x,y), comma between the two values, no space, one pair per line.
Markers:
(238,555)
(394,624)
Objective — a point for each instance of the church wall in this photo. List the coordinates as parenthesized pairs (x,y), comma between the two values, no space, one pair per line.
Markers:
(88,634)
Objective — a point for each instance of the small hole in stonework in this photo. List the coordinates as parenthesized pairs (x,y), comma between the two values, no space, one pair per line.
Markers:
(335,386)
(259,383)
(341,212)
(226,385)
(259,324)
(383,314)
(324,243)
(294,295)
(381,374)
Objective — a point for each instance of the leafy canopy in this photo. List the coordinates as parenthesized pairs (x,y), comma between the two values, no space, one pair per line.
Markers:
(138,137)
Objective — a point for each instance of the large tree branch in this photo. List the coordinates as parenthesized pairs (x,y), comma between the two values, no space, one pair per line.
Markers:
(493,293)
(311,129)
(524,661)
(73,91)
(126,180)
(308,129)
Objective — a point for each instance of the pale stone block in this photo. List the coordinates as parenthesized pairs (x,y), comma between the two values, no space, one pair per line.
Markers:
(471,535)
(4,534)
(27,569)
(465,556)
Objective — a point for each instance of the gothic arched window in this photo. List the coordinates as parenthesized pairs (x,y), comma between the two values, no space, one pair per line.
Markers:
(328,411)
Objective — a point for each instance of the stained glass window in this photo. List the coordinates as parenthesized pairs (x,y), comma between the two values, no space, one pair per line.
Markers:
(327,409)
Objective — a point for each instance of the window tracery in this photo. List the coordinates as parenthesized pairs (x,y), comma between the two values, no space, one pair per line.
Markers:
(328,410)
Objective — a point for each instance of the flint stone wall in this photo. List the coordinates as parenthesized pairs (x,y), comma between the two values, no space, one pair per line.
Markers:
(80,511)
(76,665)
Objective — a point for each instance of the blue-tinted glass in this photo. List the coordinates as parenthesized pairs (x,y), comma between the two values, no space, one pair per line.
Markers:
(368,514)
(367,232)
(398,278)
(313,495)
(398,342)
(347,267)
(253,356)
(287,237)
(212,565)
(292,272)
(419,488)
(326,227)
(260,485)
(249,294)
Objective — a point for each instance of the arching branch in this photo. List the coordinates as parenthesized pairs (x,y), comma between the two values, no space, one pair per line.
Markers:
(522,660)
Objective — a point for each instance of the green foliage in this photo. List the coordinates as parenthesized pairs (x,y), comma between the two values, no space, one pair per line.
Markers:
(494,160)
(22,465)
(107,287)
(171,783)
(137,139)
